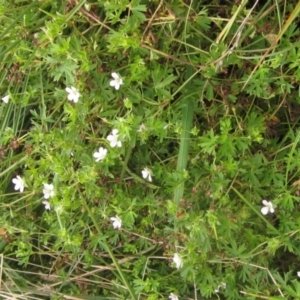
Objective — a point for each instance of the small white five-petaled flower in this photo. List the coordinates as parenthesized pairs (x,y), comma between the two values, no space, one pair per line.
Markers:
(100,155)
(177,260)
(117,222)
(142,128)
(146,173)
(222,285)
(73,94)
(173,297)
(5,99)
(19,184)
(268,207)
(48,190)
(47,205)
(113,139)
(117,80)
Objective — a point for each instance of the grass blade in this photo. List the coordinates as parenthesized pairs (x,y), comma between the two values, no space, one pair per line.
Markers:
(187,118)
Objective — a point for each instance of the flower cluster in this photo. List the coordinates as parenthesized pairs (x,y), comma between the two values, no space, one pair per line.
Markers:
(74,95)
(48,192)
(113,139)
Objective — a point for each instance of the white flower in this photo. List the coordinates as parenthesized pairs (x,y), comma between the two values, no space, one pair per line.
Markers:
(117,222)
(141,128)
(5,99)
(48,190)
(101,154)
(146,173)
(19,184)
(268,207)
(177,260)
(117,80)
(173,297)
(113,139)
(298,274)
(223,285)
(73,94)
(47,205)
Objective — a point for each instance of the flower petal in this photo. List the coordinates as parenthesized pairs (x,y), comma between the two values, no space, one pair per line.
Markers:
(114,75)
(115,131)
(5,99)
(110,138)
(265,210)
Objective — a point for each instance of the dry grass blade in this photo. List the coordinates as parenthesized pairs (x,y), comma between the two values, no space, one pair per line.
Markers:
(289,21)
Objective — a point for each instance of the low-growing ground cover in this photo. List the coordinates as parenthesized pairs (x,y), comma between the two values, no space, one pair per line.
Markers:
(149,149)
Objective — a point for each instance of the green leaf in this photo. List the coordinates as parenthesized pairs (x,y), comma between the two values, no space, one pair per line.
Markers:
(165,82)
(209,142)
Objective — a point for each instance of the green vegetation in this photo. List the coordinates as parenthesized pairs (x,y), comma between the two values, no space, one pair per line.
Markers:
(150,149)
